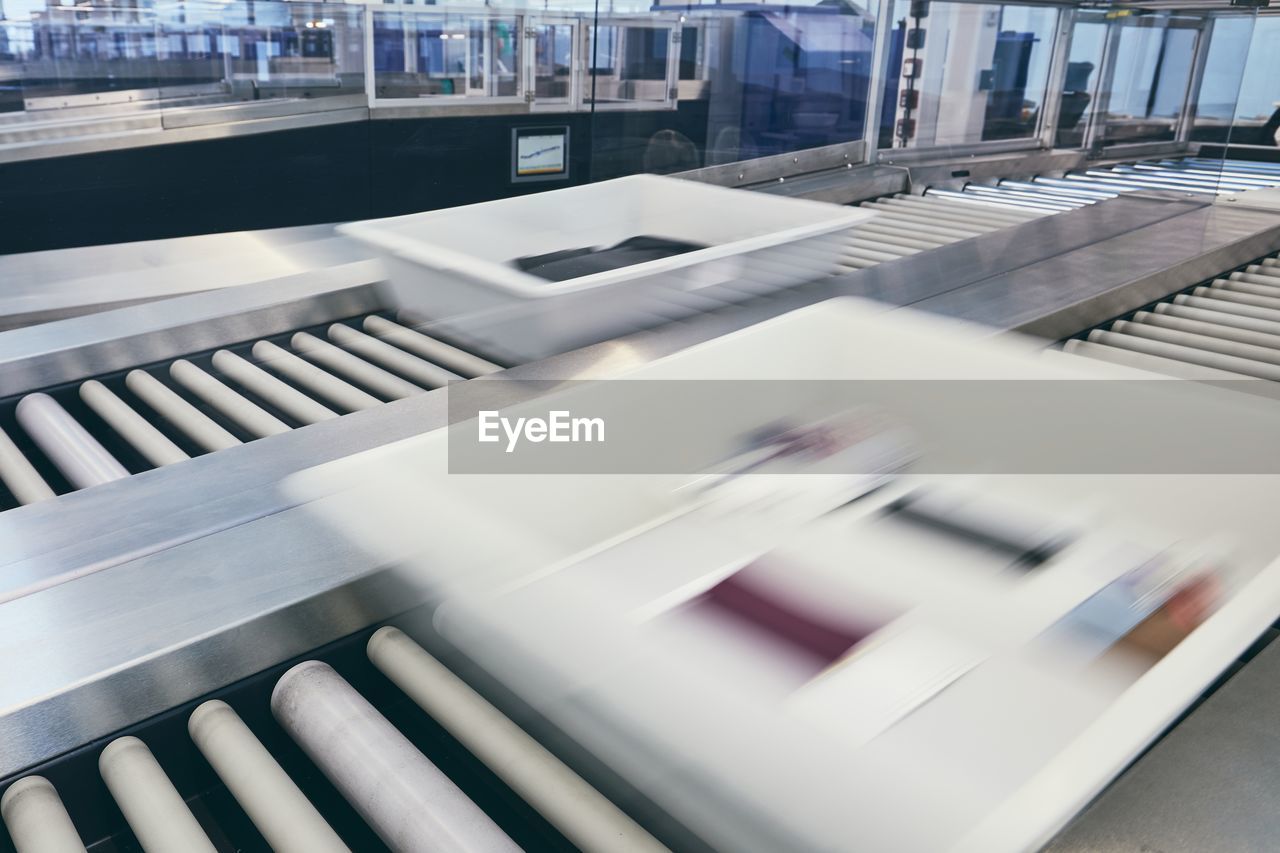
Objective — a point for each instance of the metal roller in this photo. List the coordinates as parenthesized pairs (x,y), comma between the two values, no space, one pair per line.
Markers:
(1256,178)
(1144,361)
(1037,195)
(195,424)
(989,202)
(20,478)
(1242,165)
(1227,307)
(1219,318)
(1057,191)
(1207,343)
(881,246)
(151,805)
(1268,291)
(1184,179)
(1143,182)
(132,427)
(1224,178)
(457,360)
(368,347)
(1260,279)
(930,208)
(1038,199)
(916,242)
(1263,269)
(1237,168)
(1228,294)
(1225,171)
(1012,208)
(284,816)
(284,397)
(340,361)
(781,263)
(921,226)
(880,231)
(964,208)
(960,206)
(871,254)
(1137,182)
(251,416)
(1078,183)
(1213,330)
(306,374)
(404,798)
(929,220)
(1195,176)
(36,819)
(76,453)
(579,811)
(1191,355)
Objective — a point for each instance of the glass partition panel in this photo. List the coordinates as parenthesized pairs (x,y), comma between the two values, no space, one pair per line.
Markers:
(97,57)
(554,57)
(1084,61)
(267,58)
(463,55)
(967,73)
(630,63)
(1258,110)
(1240,101)
(742,81)
(1153,58)
(17,47)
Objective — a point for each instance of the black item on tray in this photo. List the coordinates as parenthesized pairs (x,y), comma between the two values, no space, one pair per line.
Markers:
(574,263)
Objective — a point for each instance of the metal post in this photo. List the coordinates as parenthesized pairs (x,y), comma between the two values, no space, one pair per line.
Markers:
(1048,129)
(879,78)
(370,92)
(1190,103)
(1096,126)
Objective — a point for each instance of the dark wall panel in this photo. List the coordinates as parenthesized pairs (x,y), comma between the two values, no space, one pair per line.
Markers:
(428,164)
(295,177)
(320,174)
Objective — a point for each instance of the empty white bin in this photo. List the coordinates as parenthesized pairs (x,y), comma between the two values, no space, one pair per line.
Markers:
(457,266)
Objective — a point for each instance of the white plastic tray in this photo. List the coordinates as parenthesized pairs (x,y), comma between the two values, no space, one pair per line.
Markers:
(1008,791)
(455,266)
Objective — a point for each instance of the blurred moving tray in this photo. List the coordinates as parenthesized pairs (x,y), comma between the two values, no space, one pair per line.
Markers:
(1209,784)
(125,606)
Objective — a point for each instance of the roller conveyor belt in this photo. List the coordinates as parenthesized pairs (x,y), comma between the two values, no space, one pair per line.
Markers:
(1228,328)
(370,744)
(1083,187)
(109,427)
(908,224)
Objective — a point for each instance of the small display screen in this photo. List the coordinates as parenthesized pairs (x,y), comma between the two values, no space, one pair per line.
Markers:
(540,155)
(541,152)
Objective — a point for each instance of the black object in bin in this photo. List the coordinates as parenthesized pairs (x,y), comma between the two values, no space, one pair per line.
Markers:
(573,263)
